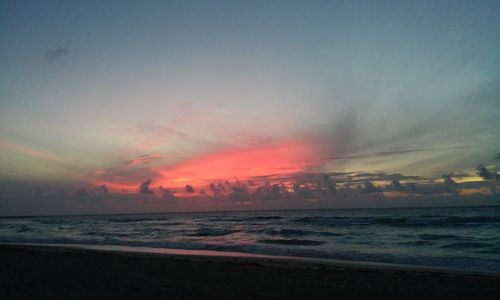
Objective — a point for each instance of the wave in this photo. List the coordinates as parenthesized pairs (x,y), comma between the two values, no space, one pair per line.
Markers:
(225,219)
(332,221)
(24,229)
(494,250)
(129,220)
(418,243)
(50,221)
(114,235)
(462,245)
(298,232)
(212,232)
(236,219)
(473,219)
(439,237)
(292,242)
(263,218)
(402,221)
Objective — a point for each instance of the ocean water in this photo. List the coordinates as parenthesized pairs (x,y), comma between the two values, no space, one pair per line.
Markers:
(465,238)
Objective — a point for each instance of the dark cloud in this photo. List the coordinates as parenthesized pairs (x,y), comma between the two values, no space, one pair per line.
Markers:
(102,189)
(368,187)
(189,189)
(396,185)
(217,188)
(329,184)
(81,193)
(240,195)
(54,54)
(483,172)
(298,190)
(304,189)
(167,194)
(144,187)
(430,188)
(237,187)
(62,193)
(487,174)
(448,179)
(238,191)
(270,192)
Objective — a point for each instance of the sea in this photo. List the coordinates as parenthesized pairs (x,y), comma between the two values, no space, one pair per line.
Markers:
(463,238)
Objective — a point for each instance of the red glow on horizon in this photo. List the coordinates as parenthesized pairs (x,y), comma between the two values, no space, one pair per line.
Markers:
(285,158)
(223,165)
(121,187)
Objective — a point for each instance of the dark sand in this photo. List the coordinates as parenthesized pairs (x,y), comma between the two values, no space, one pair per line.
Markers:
(32,272)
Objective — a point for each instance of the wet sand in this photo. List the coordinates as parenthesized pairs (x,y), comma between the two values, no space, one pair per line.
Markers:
(36,272)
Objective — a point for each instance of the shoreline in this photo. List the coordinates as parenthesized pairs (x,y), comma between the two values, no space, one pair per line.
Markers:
(75,272)
(195,254)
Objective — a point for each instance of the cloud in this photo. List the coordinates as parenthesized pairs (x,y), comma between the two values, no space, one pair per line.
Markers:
(125,174)
(396,186)
(396,152)
(141,160)
(239,191)
(62,193)
(102,189)
(54,54)
(167,194)
(189,189)
(151,127)
(330,185)
(368,187)
(217,188)
(430,188)
(484,172)
(144,187)
(29,151)
(269,192)
(448,179)
(81,193)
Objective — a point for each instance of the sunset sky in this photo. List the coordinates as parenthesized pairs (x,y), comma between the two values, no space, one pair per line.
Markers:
(116,93)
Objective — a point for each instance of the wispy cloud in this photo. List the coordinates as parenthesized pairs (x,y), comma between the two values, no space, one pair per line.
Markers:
(395,152)
(28,151)
(55,54)
(152,127)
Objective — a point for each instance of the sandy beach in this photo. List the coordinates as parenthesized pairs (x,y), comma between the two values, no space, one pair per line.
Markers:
(71,273)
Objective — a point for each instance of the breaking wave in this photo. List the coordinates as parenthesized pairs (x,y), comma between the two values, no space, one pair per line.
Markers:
(401,221)
(292,242)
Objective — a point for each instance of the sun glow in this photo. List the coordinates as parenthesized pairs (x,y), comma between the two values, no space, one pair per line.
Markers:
(242,163)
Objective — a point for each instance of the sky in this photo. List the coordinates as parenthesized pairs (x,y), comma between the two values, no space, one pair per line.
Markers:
(146,97)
